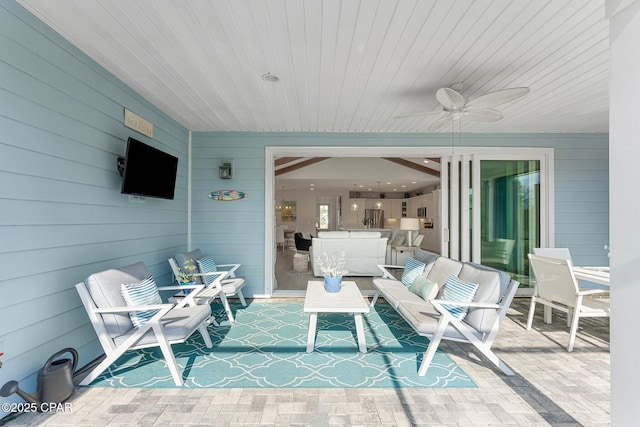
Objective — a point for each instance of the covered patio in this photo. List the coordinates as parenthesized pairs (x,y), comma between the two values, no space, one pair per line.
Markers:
(551,387)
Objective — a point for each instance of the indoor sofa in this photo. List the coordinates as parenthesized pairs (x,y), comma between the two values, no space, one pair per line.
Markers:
(363,250)
(434,313)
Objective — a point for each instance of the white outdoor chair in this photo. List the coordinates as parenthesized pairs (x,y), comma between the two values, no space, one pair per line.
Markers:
(231,285)
(212,289)
(561,253)
(556,287)
(109,314)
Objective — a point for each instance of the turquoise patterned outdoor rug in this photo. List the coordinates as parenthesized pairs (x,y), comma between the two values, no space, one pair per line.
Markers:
(266,348)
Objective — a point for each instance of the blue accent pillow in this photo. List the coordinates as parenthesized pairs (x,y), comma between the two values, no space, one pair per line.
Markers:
(143,293)
(207,265)
(424,288)
(412,269)
(460,291)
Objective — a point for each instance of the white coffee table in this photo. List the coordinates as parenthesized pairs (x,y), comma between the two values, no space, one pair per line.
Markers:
(347,300)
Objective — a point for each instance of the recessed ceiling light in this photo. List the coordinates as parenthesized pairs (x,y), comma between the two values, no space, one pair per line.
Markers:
(426,160)
(404,186)
(311,185)
(413,182)
(268,77)
(388,183)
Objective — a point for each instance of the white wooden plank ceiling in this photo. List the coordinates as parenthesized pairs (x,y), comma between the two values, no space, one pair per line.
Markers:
(347,66)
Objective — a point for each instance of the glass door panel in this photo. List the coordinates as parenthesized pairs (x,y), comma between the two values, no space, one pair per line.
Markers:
(509,215)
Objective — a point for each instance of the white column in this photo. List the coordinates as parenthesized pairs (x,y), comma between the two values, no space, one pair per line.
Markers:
(624,176)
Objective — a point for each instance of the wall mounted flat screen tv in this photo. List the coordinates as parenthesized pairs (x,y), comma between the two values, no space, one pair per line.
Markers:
(148,171)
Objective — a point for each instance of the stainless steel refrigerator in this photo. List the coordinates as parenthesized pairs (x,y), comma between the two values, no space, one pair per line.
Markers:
(375,218)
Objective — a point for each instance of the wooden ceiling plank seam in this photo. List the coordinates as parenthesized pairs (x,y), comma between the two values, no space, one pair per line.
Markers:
(259,59)
(291,91)
(405,25)
(282,54)
(349,18)
(497,36)
(523,44)
(296,19)
(386,35)
(377,32)
(352,80)
(452,67)
(445,32)
(371,100)
(329,39)
(549,51)
(211,100)
(313,41)
(124,54)
(428,53)
(248,93)
(418,45)
(508,45)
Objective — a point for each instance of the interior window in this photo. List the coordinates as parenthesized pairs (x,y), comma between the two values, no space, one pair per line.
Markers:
(323,217)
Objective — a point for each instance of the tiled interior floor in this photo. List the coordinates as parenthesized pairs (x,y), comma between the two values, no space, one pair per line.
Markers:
(551,387)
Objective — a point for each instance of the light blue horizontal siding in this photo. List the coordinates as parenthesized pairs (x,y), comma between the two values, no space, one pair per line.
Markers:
(62,216)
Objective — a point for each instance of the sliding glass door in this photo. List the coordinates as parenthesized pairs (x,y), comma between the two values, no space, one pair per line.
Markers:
(498,209)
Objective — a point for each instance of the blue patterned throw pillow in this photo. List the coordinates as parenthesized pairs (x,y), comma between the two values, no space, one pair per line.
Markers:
(207,265)
(143,293)
(412,269)
(457,290)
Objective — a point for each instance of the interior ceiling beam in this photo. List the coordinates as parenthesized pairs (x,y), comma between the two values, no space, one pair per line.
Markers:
(413,166)
(300,165)
(284,160)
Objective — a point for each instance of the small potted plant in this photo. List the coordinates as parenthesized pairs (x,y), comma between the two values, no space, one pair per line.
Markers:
(365,222)
(186,275)
(332,268)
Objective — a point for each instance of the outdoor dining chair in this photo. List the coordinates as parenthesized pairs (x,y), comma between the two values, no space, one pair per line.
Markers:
(556,287)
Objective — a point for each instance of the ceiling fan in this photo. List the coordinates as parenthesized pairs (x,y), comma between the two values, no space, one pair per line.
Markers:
(480,109)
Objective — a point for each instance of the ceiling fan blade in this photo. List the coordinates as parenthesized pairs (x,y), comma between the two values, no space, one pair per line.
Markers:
(499,97)
(482,114)
(449,98)
(440,123)
(424,113)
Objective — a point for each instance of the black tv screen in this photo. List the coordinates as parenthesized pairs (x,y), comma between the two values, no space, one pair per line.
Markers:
(148,171)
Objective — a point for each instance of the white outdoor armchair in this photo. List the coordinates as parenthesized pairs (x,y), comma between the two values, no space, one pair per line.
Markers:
(110,316)
(231,285)
(556,287)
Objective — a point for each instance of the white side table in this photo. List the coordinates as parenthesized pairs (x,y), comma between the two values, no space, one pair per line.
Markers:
(400,254)
(347,300)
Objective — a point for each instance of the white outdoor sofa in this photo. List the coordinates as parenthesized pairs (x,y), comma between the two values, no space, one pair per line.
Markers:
(430,319)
